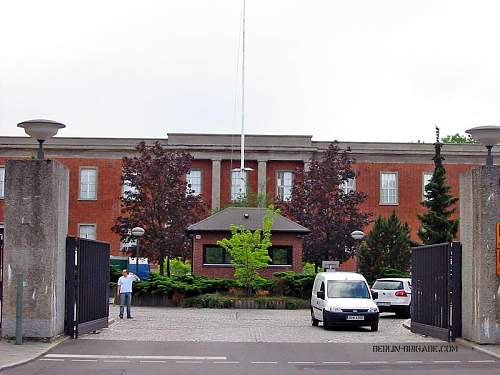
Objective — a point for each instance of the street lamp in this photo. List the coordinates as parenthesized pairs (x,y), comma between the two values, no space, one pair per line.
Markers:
(357,236)
(137,232)
(488,136)
(41,130)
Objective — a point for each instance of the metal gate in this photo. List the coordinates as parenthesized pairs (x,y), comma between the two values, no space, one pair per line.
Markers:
(437,290)
(87,281)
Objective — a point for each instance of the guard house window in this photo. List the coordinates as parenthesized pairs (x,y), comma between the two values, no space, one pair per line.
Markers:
(213,254)
(87,231)
(284,182)
(280,255)
(426,179)
(235,185)
(388,188)
(349,185)
(193,181)
(88,183)
(2,182)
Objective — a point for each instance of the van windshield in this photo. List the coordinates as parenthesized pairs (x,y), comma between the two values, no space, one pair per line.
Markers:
(347,289)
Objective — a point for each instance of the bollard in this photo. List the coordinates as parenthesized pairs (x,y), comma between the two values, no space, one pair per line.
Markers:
(19,309)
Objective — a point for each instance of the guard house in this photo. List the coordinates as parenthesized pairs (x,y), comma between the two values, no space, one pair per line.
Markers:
(211,260)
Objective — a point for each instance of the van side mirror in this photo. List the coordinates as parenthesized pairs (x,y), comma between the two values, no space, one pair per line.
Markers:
(374,295)
(320,294)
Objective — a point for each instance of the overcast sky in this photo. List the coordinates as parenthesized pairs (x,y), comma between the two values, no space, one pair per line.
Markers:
(352,70)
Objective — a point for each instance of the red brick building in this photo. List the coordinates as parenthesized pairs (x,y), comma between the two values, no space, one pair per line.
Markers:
(212,260)
(392,174)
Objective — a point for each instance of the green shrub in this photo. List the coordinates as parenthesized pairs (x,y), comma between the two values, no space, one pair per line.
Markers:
(220,301)
(393,272)
(114,273)
(179,267)
(295,284)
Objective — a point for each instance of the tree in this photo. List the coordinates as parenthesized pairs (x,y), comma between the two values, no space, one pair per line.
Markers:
(319,202)
(436,224)
(388,245)
(159,200)
(458,138)
(249,251)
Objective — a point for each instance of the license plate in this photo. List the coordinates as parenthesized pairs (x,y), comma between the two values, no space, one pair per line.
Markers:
(383,303)
(355,317)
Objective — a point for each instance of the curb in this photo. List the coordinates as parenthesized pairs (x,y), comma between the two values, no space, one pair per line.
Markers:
(35,356)
(407,324)
(479,348)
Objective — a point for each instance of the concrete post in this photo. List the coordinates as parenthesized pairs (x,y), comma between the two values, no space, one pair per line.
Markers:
(479,213)
(307,165)
(36,226)
(261,177)
(216,171)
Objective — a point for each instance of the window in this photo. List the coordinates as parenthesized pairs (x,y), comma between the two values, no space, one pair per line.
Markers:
(388,285)
(87,231)
(426,179)
(349,185)
(128,246)
(2,182)
(236,192)
(280,255)
(347,289)
(213,254)
(193,181)
(389,188)
(88,182)
(284,182)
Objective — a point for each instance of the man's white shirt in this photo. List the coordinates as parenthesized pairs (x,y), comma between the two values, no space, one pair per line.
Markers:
(125,283)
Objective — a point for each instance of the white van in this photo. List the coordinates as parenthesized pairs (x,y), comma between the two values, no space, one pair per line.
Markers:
(343,298)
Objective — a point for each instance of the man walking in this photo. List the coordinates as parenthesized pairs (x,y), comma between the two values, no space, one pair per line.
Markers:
(125,291)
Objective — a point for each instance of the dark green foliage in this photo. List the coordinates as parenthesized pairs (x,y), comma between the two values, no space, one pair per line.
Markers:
(391,272)
(436,224)
(220,301)
(294,284)
(387,245)
(114,273)
(188,285)
(458,138)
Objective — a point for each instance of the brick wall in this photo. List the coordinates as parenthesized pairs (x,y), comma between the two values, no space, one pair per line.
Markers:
(285,239)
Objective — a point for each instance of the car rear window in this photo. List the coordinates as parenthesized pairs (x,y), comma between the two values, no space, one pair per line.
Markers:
(388,285)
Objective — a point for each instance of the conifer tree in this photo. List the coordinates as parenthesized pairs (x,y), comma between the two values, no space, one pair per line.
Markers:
(437,226)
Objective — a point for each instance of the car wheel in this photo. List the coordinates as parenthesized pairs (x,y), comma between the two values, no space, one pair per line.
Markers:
(374,327)
(314,321)
(326,326)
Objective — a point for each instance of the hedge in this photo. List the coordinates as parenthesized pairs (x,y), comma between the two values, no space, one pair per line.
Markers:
(219,301)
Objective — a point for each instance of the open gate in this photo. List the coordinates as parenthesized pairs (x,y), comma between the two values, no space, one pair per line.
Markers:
(437,290)
(87,281)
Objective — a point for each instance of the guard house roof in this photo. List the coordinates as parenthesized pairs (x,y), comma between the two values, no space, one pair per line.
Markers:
(250,218)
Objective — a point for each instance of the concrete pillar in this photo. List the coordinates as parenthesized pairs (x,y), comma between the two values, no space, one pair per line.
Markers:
(479,213)
(261,177)
(216,172)
(307,165)
(36,226)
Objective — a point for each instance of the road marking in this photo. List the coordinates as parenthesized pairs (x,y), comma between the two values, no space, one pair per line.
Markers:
(446,361)
(153,361)
(373,362)
(336,363)
(483,361)
(51,359)
(84,360)
(116,361)
(188,361)
(226,362)
(264,363)
(140,357)
(409,361)
(301,363)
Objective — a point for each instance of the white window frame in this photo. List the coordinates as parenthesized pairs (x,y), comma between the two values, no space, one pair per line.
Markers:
(349,185)
(235,185)
(424,198)
(382,203)
(80,225)
(80,197)
(2,181)
(188,175)
(283,187)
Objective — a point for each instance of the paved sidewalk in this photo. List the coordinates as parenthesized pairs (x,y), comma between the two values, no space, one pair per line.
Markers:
(13,355)
(493,350)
